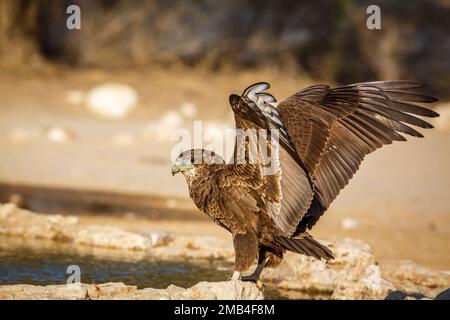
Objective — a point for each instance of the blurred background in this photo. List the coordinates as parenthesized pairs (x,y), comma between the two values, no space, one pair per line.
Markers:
(86,116)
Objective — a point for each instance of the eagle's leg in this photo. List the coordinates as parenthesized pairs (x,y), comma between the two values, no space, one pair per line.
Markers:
(245,249)
(257,273)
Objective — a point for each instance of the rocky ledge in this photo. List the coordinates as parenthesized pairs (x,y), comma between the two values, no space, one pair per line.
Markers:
(226,290)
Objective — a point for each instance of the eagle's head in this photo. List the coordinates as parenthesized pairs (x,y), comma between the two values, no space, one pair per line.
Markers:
(192,161)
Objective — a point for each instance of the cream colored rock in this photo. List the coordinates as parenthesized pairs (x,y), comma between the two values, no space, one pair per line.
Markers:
(60,134)
(194,247)
(108,290)
(52,292)
(230,290)
(113,101)
(27,224)
(64,292)
(159,239)
(369,286)
(188,109)
(24,223)
(410,277)
(226,290)
(352,274)
(110,237)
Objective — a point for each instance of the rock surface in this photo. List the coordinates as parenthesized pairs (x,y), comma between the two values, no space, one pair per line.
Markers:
(26,224)
(352,274)
(226,290)
(410,277)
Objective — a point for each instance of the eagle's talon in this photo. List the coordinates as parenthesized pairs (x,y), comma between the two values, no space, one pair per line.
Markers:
(249,278)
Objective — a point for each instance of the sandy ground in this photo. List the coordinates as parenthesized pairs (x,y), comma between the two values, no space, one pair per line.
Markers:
(399,199)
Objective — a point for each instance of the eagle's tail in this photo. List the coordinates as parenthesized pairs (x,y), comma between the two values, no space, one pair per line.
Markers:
(305,244)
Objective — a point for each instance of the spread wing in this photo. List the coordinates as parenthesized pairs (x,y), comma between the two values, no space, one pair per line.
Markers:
(284,185)
(333,129)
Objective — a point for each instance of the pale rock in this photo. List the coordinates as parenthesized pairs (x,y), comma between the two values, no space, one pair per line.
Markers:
(226,290)
(108,290)
(352,259)
(59,134)
(143,294)
(24,223)
(194,247)
(51,292)
(158,238)
(171,203)
(188,109)
(110,237)
(369,286)
(63,292)
(349,224)
(113,101)
(410,277)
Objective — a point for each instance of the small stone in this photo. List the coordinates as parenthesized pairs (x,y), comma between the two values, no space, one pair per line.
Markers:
(349,224)
(112,101)
(159,239)
(171,203)
(226,290)
(110,237)
(188,109)
(58,134)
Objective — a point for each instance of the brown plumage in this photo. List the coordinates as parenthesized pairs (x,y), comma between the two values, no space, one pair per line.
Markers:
(323,135)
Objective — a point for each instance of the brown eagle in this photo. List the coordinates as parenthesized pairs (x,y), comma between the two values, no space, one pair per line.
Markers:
(322,135)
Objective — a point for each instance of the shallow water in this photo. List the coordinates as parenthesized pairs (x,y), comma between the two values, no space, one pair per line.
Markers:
(43,268)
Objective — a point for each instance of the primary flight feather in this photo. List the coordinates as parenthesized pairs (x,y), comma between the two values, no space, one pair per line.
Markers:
(316,140)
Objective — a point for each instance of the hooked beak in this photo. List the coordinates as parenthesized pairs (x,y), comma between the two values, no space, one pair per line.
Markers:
(180,167)
(175,169)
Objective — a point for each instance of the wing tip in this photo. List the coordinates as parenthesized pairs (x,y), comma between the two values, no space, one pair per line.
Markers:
(256,88)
